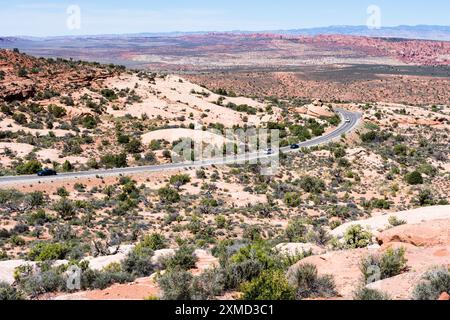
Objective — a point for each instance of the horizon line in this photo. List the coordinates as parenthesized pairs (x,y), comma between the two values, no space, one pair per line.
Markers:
(236,31)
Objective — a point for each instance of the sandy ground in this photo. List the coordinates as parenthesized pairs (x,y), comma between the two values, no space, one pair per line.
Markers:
(172,97)
(22,149)
(138,290)
(11,125)
(314,111)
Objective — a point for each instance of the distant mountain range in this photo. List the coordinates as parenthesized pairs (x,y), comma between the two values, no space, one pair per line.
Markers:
(426,32)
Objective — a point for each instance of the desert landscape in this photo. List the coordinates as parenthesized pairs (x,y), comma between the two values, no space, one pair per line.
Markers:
(375,198)
(292,164)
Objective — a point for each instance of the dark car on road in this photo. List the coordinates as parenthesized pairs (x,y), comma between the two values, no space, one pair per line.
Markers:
(47,173)
(295,146)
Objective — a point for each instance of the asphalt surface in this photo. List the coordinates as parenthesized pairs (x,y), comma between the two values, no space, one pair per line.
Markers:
(350,121)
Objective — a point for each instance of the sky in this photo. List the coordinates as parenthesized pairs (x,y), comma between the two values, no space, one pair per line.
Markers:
(84,17)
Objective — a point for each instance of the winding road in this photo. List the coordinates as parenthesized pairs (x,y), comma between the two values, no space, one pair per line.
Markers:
(350,121)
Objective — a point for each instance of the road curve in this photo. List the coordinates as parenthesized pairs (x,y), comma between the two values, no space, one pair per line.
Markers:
(350,121)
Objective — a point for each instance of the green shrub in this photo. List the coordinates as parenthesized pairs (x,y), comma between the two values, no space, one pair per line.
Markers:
(435,282)
(45,251)
(184,259)
(369,136)
(224,92)
(62,192)
(414,178)
(269,285)
(113,267)
(339,153)
(134,146)
(65,208)
(320,236)
(253,233)
(67,166)
(89,122)
(23,73)
(311,184)
(208,285)
(79,187)
(155,145)
(296,231)
(8,292)
(39,218)
(67,100)
(114,160)
(168,195)
(389,264)
(237,273)
(365,294)
(138,262)
(221,222)
(150,158)
(400,150)
(200,174)
(308,284)
(16,240)
(180,180)
(380,204)
(302,133)
(427,169)
(123,138)
(395,222)
(259,251)
(292,199)
(3,256)
(425,198)
(176,285)
(4,234)
(93,279)
(35,199)
(181,285)
(7,110)
(37,283)
(154,241)
(109,94)
(57,111)
(30,167)
(20,118)
(356,237)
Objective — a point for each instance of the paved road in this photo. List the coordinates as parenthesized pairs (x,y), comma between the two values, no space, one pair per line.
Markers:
(349,122)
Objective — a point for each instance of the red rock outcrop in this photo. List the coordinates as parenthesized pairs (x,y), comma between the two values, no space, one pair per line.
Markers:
(444,296)
(426,234)
(24,76)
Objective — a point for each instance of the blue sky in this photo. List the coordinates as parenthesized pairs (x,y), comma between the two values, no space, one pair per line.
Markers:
(49,18)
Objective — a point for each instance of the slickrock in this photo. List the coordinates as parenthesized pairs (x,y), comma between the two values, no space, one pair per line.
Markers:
(381,223)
